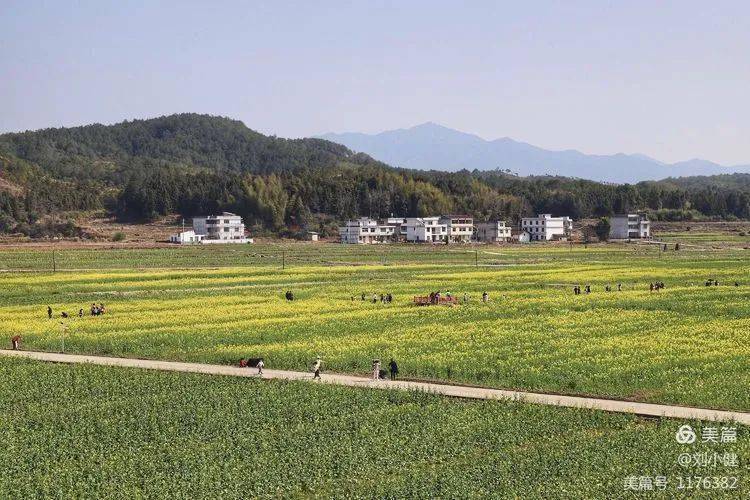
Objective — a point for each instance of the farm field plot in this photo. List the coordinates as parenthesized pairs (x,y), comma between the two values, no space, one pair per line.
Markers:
(688,344)
(87,431)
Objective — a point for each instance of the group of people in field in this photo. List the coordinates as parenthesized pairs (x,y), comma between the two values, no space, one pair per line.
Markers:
(95,310)
(253,363)
(385,298)
(714,282)
(435,297)
(378,373)
(655,287)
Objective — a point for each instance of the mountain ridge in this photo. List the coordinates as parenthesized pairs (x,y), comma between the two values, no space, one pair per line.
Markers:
(431,146)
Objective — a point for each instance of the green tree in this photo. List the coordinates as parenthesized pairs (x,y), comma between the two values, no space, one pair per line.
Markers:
(602,229)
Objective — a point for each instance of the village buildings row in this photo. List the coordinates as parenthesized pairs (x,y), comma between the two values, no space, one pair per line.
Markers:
(462,229)
(229,228)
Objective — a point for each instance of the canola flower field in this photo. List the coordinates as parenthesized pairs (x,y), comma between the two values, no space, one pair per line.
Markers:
(687,344)
(99,432)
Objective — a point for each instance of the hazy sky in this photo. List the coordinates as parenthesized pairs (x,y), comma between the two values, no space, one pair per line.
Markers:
(667,79)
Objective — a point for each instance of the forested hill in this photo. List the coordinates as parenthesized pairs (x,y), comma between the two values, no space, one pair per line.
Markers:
(187,140)
(195,164)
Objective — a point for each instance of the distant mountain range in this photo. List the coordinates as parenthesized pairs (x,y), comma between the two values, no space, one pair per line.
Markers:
(434,147)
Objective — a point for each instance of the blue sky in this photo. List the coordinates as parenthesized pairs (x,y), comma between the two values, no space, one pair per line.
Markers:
(666,79)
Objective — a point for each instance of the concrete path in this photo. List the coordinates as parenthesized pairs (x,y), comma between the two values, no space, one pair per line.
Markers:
(654,410)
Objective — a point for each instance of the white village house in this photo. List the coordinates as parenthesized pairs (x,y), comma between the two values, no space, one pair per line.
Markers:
(224,228)
(435,229)
(365,230)
(629,226)
(425,230)
(186,237)
(544,227)
(493,231)
(460,228)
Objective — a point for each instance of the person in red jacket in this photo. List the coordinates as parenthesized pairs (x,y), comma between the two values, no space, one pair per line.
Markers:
(15,341)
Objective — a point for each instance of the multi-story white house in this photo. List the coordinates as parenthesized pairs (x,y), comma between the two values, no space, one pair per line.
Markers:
(425,230)
(449,228)
(629,226)
(544,227)
(493,231)
(224,228)
(366,230)
(459,228)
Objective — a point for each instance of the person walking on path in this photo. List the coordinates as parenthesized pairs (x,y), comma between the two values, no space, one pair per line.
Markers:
(393,368)
(375,369)
(260,366)
(316,368)
(15,341)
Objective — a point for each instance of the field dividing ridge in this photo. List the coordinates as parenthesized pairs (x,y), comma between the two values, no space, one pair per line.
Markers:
(610,405)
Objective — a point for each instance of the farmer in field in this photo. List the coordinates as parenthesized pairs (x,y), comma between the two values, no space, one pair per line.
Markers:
(49,312)
(619,287)
(485,297)
(80,313)
(393,368)
(316,368)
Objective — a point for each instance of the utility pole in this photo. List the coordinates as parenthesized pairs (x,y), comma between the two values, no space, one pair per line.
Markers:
(283,260)
(54,263)
(63,328)
(476,258)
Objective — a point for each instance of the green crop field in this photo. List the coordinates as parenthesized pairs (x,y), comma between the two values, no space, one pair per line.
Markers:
(687,344)
(95,432)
